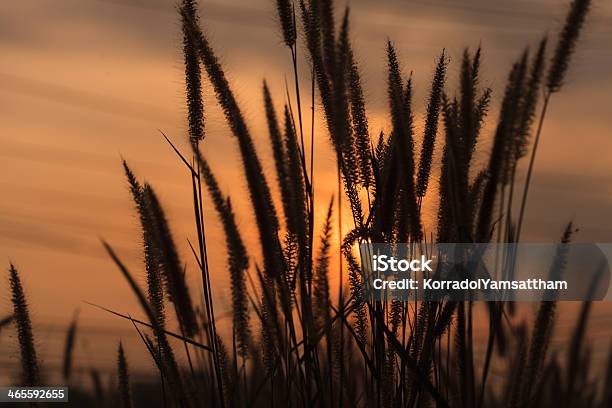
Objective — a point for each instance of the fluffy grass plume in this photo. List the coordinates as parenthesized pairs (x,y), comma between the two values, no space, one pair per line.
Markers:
(238,260)
(123,376)
(171,267)
(280,155)
(287,20)
(360,124)
(567,44)
(193,79)
(530,100)
(402,153)
(321,275)
(431,126)
(297,224)
(69,347)
(30,373)
(498,158)
(155,290)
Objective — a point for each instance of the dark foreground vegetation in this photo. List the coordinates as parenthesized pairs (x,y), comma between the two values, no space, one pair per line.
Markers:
(296,341)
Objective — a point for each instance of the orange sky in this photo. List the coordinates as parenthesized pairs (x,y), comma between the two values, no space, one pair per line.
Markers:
(83,83)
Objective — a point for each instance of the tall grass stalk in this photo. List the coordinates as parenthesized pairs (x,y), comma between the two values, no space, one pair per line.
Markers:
(123,375)
(30,371)
(69,347)
(557,71)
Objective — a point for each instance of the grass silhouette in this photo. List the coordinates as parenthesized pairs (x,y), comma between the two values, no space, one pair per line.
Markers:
(293,342)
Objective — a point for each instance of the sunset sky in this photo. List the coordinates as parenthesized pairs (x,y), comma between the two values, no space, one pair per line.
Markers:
(86,82)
